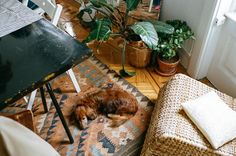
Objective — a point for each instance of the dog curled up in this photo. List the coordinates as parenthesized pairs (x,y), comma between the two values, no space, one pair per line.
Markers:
(116,104)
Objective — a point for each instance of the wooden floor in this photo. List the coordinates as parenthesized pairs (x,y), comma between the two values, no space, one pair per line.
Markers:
(146,80)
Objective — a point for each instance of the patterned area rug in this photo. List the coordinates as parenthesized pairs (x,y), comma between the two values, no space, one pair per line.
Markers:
(98,139)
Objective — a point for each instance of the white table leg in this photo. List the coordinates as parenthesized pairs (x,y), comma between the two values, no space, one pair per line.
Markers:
(25,2)
(25,98)
(73,79)
(31,100)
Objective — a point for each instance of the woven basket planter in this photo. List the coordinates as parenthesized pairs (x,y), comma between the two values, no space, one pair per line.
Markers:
(138,54)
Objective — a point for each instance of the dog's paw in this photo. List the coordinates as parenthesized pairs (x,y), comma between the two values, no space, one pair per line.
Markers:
(114,116)
(92,116)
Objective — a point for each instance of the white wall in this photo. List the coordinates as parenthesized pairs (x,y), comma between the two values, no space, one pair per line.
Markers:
(188,10)
(199,16)
(233,6)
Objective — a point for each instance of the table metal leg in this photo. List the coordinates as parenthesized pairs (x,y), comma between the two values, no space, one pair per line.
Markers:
(43,100)
(54,101)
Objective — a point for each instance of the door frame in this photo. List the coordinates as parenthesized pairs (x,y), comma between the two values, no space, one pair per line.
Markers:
(204,49)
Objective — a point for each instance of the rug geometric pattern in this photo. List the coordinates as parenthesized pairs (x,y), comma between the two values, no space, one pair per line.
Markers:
(98,138)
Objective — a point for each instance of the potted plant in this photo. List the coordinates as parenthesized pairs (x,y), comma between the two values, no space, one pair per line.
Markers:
(168,46)
(113,23)
(86,16)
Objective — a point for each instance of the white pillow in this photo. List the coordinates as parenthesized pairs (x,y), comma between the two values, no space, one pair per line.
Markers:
(213,117)
(16,139)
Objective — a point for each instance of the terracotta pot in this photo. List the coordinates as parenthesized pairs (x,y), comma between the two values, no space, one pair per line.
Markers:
(167,67)
(138,54)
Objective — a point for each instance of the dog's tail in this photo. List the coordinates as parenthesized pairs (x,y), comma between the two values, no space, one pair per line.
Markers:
(117,120)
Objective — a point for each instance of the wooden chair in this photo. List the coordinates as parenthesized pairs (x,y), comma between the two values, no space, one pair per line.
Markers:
(25,118)
(53,10)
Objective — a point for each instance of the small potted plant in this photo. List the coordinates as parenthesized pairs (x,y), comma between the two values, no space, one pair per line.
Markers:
(168,46)
(113,23)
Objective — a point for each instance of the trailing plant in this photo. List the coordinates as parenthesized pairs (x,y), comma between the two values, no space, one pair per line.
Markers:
(170,43)
(114,23)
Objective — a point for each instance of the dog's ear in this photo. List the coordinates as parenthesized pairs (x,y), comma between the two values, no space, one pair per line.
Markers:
(80,116)
(72,115)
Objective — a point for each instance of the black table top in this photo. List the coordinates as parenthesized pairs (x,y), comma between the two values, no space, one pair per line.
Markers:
(32,56)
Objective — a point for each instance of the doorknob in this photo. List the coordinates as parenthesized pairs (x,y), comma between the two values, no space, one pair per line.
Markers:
(220,20)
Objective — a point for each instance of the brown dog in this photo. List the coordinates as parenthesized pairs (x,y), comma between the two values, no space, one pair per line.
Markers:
(116,104)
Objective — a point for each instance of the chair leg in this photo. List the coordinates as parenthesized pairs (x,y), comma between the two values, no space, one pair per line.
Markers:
(54,101)
(73,79)
(150,6)
(43,100)
(31,100)
(118,2)
(25,98)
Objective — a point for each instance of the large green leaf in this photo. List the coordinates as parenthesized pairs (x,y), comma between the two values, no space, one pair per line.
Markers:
(102,3)
(162,27)
(147,33)
(125,73)
(89,20)
(132,4)
(82,12)
(101,31)
(98,3)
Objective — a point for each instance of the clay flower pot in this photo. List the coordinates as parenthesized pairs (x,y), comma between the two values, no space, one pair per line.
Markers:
(167,67)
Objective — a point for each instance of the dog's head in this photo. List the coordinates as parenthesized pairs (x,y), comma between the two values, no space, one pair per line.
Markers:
(80,116)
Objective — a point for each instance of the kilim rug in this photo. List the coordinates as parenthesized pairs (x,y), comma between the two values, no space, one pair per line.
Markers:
(98,139)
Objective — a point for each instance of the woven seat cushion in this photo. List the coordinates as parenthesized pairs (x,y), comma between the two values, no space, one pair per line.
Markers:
(171,132)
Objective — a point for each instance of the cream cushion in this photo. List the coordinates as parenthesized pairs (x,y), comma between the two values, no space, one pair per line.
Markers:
(213,118)
(16,139)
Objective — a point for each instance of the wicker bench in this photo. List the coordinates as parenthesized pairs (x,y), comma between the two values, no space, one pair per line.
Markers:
(171,132)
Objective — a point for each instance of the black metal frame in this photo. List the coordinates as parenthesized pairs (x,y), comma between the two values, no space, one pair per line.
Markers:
(58,109)
(43,100)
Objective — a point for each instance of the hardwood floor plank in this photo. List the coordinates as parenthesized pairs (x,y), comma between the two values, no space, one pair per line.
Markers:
(152,82)
(146,80)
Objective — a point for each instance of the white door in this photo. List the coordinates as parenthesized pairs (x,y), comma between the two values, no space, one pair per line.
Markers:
(222,70)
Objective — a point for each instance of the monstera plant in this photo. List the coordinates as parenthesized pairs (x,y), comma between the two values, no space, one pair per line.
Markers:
(112,22)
